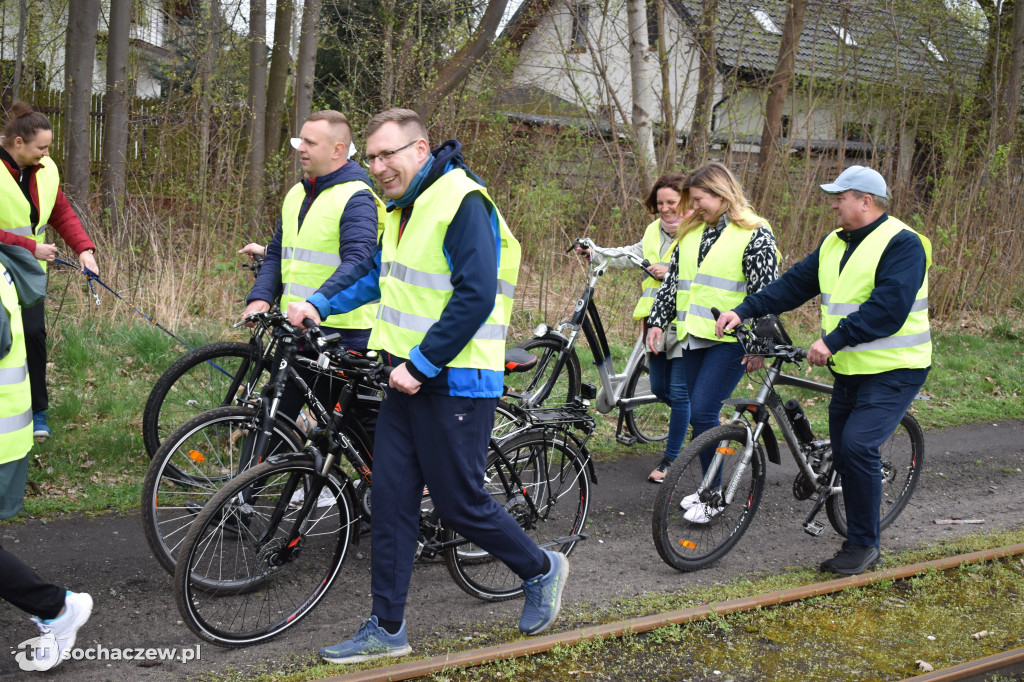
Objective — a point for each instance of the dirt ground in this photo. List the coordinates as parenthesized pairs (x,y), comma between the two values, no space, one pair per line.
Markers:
(969,472)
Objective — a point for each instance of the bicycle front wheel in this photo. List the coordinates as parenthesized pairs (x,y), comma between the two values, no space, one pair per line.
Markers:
(193,463)
(554,477)
(902,459)
(693,525)
(204,378)
(649,421)
(535,385)
(241,579)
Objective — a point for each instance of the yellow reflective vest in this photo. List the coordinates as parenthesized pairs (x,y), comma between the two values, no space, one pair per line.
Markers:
(719,282)
(415,278)
(652,252)
(15,210)
(15,394)
(843,292)
(310,256)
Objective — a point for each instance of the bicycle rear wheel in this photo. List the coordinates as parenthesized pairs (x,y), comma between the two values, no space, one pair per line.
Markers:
(648,422)
(554,476)
(194,463)
(534,384)
(235,584)
(689,545)
(902,459)
(204,378)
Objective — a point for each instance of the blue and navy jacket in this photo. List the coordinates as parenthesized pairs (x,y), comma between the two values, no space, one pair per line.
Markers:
(471,247)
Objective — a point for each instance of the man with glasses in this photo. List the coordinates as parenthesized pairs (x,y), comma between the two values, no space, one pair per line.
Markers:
(445,272)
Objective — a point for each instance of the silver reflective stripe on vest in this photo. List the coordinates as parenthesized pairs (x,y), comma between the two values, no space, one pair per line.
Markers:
(15,423)
(298,290)
(892,342)
(403,273)
(421,324)
(720,283)
(683,285)
(307,256)
(846,309)
(649,293)
(13,375)
(701,311)
(21,231)
(680,316)
(506,289)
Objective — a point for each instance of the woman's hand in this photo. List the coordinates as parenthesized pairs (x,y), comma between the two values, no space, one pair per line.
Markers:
(654,339)
(658,271)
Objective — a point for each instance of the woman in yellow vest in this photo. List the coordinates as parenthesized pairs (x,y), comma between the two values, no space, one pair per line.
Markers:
(31,199)
(667,201)
(724,251)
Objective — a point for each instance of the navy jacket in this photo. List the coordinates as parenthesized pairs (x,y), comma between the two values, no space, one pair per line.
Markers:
(471,248)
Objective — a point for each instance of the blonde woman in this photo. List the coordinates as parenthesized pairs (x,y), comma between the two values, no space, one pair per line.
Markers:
(724,252)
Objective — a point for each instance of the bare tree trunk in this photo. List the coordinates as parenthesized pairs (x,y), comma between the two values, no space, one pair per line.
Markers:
(698,144)
(778,88)
(115,112)
(307,62)
(668,112)
(19,58)
(80,52)
(641,80)
(456,69)
(1011,98)
(277,82)
(257,105)
(209,60)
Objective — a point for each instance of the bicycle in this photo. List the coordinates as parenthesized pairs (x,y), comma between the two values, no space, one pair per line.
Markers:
(730,488)
(218,374)
(558,374)
(259,558)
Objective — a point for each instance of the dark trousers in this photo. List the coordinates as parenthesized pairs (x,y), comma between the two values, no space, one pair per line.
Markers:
(20,585)
(711,375)
(865,410)
(34,322)
(441,441)
(668,382)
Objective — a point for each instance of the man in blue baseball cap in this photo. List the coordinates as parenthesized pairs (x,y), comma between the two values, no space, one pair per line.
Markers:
(872,276)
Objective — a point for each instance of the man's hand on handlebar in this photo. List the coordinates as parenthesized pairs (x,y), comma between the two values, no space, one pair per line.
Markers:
(654,339)
(252,249)
(299,311)
(726,321)
(818,354)
(256,306)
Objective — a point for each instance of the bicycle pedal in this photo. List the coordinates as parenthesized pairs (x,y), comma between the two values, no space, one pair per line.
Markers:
(814,528)
(626,439)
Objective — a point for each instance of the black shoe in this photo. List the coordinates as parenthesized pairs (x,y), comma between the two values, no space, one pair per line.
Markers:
(660,471)
(852,559)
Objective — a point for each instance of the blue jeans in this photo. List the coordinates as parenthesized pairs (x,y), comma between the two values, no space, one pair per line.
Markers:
(865,410)
(668,382)
(711,375)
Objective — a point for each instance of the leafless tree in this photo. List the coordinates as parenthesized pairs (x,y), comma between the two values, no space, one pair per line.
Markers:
(80,51)
(698,144)
(641,85)
(257,104)
(277,81)
(115,114)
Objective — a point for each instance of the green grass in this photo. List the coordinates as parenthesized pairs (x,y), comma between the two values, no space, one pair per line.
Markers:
(101,374)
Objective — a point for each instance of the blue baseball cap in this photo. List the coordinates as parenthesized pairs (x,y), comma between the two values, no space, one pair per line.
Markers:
(859,178)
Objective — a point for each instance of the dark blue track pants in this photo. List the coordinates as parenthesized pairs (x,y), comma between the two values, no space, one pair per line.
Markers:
(439,441)
(865,410)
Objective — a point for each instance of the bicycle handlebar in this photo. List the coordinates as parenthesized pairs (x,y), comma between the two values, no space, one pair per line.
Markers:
(766,337)
(609,252)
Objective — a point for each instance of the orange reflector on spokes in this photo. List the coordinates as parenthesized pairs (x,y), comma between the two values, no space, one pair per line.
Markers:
(688,544)
(196,456)
(726,450)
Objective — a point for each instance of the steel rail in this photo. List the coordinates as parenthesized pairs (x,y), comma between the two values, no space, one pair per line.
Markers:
(1006,662)
(536,645)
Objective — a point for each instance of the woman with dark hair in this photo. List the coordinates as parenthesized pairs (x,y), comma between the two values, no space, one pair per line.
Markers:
(667,201)
(31,199)
(724,251)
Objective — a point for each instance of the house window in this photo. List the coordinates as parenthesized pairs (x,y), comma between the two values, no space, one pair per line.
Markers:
(766,22)
(580,24)
(844,35)
(652,23)
(934,50)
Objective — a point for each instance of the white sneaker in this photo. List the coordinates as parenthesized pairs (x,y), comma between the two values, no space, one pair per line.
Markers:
(64,628)
(690,501)
(326,498)
(702,513)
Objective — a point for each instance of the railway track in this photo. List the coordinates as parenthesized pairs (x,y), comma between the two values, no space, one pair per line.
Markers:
(1006,663)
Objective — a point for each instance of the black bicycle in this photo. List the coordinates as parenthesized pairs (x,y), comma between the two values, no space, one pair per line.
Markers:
(266,548)
(701,512)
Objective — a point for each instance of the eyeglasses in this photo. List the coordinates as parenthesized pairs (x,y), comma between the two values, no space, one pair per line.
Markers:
(385,155)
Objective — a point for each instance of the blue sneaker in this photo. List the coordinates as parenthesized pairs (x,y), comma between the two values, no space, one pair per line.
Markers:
(369,641)
(39,428)
(544,596)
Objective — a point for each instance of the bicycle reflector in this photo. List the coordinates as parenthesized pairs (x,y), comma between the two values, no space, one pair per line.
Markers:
(196,456)
(688,544)
(726,450)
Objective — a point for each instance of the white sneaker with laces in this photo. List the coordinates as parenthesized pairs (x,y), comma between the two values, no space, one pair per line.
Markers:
(702,513)
(64,628)
(689,502)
